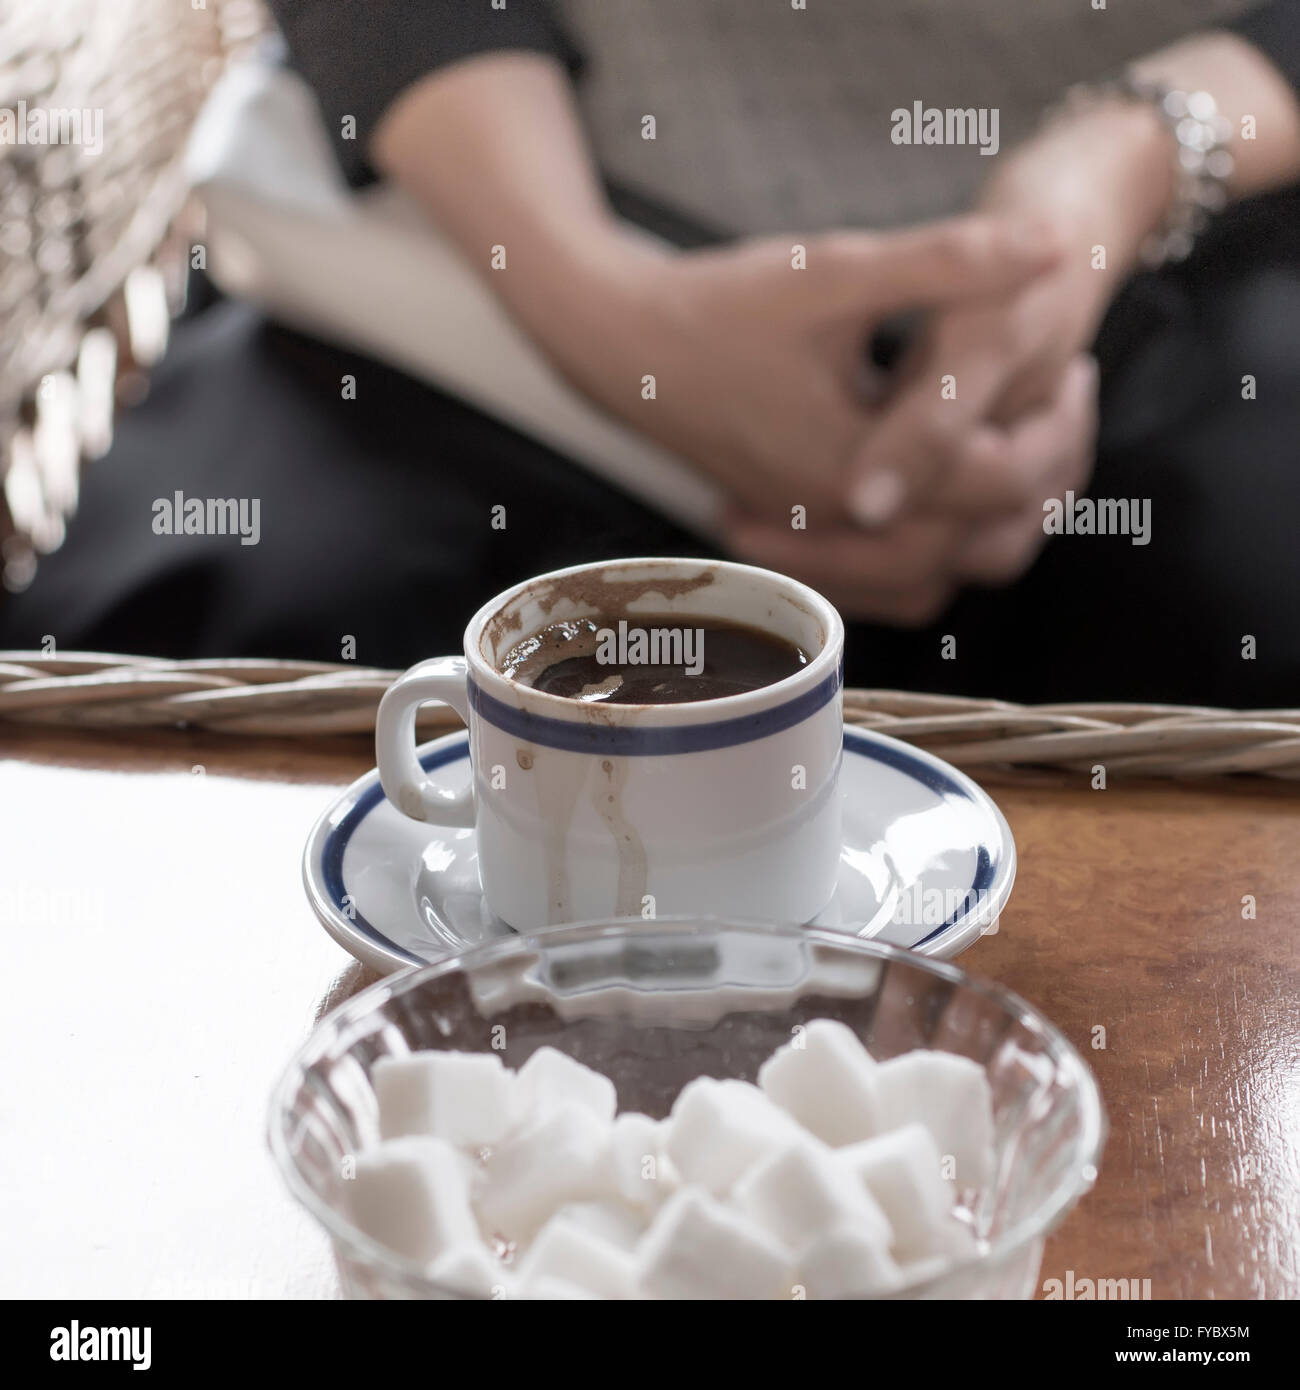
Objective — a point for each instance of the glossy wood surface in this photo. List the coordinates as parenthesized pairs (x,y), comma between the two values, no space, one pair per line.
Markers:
(161,963)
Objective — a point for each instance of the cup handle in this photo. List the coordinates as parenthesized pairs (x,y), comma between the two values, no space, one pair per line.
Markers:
(443,679)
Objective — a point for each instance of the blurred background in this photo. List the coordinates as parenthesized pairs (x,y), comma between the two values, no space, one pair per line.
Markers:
(193,264)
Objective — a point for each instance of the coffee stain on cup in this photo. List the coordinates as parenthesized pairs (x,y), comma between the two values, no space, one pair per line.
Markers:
(610,590)
(633,872)
(557,787)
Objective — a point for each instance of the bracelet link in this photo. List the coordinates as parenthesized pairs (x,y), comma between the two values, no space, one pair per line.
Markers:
(1203,159)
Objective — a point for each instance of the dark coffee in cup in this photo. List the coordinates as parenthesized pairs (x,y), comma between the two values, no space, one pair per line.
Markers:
(650,659)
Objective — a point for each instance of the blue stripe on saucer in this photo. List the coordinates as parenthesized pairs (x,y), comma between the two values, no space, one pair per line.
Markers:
(631,741)
(857,744)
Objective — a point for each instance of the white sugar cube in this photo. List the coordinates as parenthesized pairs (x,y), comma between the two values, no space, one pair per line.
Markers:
(560,1157)
(640,1172)
(550,1078)
(698,1249)
(800,1193)
(825,1078)
(466,1098)
(903,1171)
(568,1251)
(848,1263)
(472,1270)
(411,1195)
(549,1290)
(950,1096)
(612,1221)
(717,1129)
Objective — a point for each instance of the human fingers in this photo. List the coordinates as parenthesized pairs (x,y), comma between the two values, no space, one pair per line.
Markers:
(1001,470)
(973,257)
(1057,443)
(950,388)
(901,575)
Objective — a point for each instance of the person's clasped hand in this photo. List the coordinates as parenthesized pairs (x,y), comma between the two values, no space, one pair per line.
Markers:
(756,349)
(995,409)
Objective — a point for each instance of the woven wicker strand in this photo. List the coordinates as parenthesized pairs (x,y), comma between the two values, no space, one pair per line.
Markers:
(90,690)
(95,232)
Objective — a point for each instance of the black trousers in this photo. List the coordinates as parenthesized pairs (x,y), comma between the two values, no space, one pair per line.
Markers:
(375,513)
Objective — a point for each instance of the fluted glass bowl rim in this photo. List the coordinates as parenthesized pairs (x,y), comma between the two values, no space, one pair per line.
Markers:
(1079,1079)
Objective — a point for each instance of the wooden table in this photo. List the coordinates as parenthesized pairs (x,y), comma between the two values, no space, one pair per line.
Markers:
(162,962)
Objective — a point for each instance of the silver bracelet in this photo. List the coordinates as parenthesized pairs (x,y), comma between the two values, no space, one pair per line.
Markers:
(1203,161)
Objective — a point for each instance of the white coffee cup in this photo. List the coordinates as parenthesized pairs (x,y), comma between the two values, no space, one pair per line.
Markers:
(723,807)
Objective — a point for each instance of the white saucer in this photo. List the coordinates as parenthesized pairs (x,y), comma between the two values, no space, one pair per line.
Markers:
(928,861)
